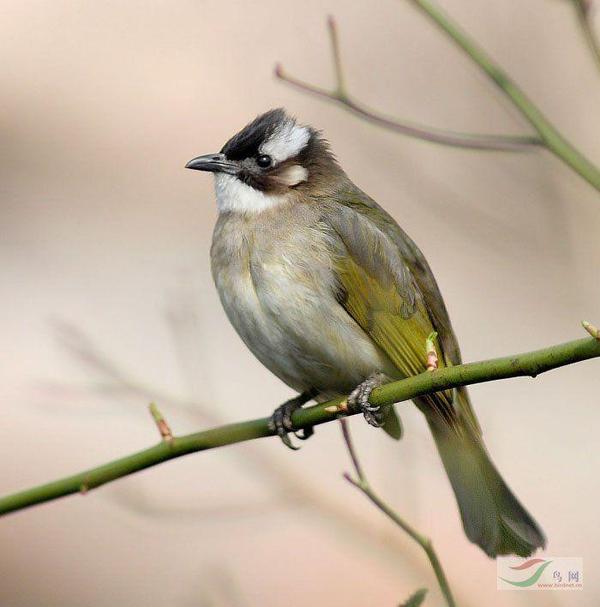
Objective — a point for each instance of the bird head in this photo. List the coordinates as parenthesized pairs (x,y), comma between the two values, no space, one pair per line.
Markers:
(271,160)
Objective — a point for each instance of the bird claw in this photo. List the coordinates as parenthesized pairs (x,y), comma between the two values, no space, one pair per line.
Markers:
(359,400)
(281,420)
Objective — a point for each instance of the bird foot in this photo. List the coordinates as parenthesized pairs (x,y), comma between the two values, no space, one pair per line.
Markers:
(359,400)
(281,420)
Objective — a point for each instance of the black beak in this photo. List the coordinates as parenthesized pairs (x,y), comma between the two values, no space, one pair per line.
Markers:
(214,163)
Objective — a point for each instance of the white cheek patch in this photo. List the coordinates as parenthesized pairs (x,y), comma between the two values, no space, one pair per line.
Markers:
(287,141)
(235,196)
(292,175)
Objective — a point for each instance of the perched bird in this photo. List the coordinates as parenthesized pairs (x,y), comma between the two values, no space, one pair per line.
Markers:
(334,298)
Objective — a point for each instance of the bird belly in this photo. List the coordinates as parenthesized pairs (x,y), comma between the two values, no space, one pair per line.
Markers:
(291,321)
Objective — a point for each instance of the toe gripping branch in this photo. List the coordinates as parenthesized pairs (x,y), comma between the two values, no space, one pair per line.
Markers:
(359,400)
(281,420)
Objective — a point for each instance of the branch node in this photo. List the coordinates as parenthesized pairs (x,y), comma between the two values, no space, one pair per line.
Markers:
(161,423)
(356,482)
(432,357)
(340,407)
(591,329)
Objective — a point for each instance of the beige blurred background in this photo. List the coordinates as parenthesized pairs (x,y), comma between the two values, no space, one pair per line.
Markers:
(106,299)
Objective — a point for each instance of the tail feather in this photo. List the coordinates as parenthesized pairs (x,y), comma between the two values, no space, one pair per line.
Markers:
(492,516)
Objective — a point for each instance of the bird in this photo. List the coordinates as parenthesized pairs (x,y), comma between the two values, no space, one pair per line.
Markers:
(334,298)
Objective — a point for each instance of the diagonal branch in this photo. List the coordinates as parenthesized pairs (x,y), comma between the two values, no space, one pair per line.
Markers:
(503,143)
(554,141)
(528,364)
(362,484)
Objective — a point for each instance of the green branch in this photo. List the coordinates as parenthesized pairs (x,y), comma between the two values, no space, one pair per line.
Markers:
(529,364)
(547,136)
(552,139)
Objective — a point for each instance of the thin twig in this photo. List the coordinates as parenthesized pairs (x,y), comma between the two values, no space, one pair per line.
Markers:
(340,94)
(352,451)
(340,82)
(362,484)
(584,9)
(528,364)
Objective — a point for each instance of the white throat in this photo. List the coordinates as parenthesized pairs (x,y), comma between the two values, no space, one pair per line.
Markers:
(235,196)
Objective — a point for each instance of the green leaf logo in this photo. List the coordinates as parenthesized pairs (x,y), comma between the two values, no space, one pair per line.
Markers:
(530,581)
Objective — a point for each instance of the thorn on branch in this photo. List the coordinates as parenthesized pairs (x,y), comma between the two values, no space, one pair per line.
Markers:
(432,357)
(161,423)
(591,329)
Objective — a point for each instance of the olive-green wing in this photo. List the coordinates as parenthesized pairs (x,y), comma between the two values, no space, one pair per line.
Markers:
(386,286)
(411,256)
(377,271)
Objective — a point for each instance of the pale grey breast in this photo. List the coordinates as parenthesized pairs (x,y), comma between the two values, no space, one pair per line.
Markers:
(274,273)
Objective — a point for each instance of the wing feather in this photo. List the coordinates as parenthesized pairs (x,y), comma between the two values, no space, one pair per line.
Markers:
(390,292)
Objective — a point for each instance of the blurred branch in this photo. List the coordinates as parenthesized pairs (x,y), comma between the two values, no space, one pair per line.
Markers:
(503,143)
(551,138)
(584,9)
(528,364)
(416,599)
(362,484)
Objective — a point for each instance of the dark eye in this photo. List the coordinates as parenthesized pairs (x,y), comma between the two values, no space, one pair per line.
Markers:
(264,161)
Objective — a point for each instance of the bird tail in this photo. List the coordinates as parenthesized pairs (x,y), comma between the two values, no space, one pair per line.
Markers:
(492,516)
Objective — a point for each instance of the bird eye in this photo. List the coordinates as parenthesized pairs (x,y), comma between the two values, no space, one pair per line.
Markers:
(264,161)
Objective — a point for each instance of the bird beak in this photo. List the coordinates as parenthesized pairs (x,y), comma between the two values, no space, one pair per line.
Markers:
(214,163)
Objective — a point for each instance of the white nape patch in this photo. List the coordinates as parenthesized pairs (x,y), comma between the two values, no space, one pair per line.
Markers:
(287,141)
(292,175)
(235,196)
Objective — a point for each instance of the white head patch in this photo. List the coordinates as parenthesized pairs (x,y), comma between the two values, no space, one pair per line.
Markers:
(287,140)
(235,196)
